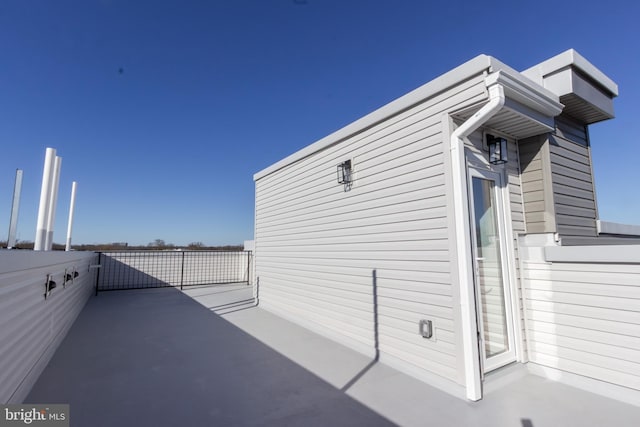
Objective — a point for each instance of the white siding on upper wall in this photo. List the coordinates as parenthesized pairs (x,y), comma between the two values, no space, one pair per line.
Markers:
(318,246)
(584,317)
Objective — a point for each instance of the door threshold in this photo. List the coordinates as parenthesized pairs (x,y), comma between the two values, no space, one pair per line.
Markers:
(500,377)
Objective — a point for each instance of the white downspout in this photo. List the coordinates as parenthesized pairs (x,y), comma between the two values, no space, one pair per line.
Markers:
(463,239)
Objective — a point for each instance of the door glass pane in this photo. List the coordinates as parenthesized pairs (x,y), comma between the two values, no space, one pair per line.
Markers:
(489,268)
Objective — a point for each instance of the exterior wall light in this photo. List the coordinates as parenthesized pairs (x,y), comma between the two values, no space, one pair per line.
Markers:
(344,175)
(344,172)
(497,149)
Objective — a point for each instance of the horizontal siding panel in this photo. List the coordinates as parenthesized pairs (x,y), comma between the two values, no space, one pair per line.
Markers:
(440,322)
(585,318)
(392,254)
(564,190)
(408,344)
(533,176)
(578,286)
(347,286)
(389,195)
(320,317)
(588,370)
(611,272)
(398,169)
(570,230)
(561,146)
(342,221)
(571,130)
(545,304)
(567,166)
(534,196)
(571,172)
(410,334)
(590,302)
(575,221)
(588,335)
(363,232)
(631,369)
(418,297)
(385,242)
(587,323)
(415,307)
(622,354)
(576,211)
(578,202)
(358,321)
(567,185)
(383,265)
(419,362)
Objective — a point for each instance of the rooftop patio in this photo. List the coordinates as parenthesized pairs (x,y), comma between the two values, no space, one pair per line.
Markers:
(206,356)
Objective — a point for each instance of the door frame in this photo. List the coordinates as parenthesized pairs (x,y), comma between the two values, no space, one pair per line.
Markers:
(507,260)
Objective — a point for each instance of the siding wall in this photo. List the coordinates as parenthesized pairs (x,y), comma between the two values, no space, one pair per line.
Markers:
(536,190)
(317,246)
(557,183)
(32,327)
(574,196)
(584,317)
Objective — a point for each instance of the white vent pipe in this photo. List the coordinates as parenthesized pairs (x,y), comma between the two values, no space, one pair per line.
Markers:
(71,210)
(53,200)
(15,207)
(463,239)
(45,192)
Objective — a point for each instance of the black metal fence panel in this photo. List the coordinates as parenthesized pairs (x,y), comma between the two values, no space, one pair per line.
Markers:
(156,269)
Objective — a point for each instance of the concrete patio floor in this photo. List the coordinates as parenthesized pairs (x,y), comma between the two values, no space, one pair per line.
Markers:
(208,357)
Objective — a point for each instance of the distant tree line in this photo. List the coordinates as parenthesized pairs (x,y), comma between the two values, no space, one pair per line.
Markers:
(157,244)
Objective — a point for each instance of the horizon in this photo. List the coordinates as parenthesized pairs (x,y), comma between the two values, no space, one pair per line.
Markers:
(163,111)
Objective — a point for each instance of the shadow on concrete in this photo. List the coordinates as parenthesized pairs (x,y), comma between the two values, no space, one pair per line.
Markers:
(376,338)
(157,357)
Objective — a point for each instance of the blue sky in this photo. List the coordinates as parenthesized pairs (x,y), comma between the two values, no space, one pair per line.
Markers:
(164,110)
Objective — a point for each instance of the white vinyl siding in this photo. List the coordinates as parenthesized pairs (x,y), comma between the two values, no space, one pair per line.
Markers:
(33,327)
(584,318)
(317,246)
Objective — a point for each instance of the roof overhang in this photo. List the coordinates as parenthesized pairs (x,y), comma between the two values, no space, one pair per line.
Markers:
(586,92)
(528,109)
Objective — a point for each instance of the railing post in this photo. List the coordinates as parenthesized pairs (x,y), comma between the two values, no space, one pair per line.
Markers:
(182,271)
(98,274)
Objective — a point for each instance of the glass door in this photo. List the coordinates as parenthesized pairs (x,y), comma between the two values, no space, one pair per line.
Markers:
(490,263)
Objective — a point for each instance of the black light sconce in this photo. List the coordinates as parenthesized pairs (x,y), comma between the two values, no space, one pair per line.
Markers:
(49,285)
(345,176)
(497,149)
(344,172)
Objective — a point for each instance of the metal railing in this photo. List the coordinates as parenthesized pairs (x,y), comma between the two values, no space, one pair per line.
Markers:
(121,270)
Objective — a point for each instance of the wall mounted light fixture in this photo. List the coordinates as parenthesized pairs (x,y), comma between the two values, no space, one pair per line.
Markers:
(344,172)
(497,149)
